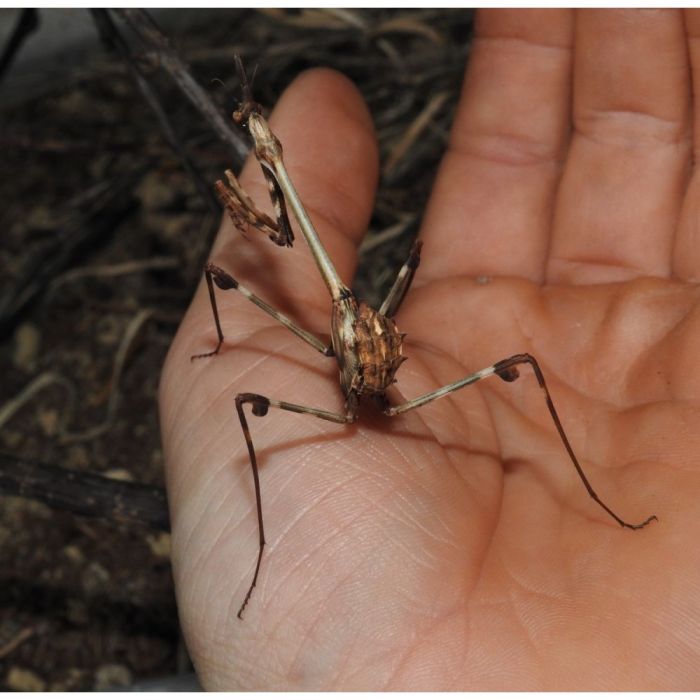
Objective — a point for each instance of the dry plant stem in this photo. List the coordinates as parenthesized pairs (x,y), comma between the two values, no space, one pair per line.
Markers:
(27,23)
(130,267)
(366,343)
(22,636)
(114,40)
(410,136)
(125,346)
(146,29)
(409,25)
(45,379)
(84,493)
(388,234)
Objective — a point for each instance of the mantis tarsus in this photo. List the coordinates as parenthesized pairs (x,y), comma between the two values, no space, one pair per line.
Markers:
(366,343)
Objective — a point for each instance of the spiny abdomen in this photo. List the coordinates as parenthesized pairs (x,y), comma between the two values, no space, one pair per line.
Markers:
(378,350)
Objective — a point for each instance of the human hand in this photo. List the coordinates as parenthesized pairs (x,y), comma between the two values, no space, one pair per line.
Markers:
(454,547)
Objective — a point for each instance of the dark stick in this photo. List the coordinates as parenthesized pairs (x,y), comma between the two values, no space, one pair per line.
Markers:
(115,41)
(84,493)
(147,30)
(26,24)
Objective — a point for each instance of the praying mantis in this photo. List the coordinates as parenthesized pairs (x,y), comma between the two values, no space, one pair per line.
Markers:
(365,342)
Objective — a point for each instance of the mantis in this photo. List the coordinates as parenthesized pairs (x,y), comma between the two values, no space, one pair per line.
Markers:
(365,342)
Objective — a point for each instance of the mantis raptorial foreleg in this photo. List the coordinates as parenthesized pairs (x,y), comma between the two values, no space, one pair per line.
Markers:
(243,212)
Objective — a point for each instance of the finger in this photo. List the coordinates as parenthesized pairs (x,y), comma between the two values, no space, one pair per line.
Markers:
(625,173)
(686,253)
(489,213)
(330,152)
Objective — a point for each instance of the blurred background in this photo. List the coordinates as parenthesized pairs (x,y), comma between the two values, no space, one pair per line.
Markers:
(113,127)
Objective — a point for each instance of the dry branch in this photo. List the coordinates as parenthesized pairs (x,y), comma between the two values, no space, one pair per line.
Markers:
(26,24)
(84,493)
(159,45)
(114,41)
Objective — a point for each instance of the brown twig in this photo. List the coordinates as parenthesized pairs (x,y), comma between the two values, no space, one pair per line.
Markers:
(416,128)
(129,267)
(45,379)
(115,41)
(409,25)
(147,30)
(22,636)
(26,24)
(125,347)
(390,233)
(84,493)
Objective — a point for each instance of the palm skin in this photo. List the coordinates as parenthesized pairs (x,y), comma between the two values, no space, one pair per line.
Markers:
(454,547)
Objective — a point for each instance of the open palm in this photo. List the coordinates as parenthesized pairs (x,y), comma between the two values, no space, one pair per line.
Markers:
(454,547)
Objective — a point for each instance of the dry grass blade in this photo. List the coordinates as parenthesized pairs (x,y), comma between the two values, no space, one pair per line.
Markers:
(130,267)
(147,30)
(125,347)
(420,123)
(388,234)
(84,492)
(44,380)
(308,18)
(409,25)
(22,636)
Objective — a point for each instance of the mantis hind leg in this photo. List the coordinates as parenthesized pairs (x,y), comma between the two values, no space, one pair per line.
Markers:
(261,405)
(508,372)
